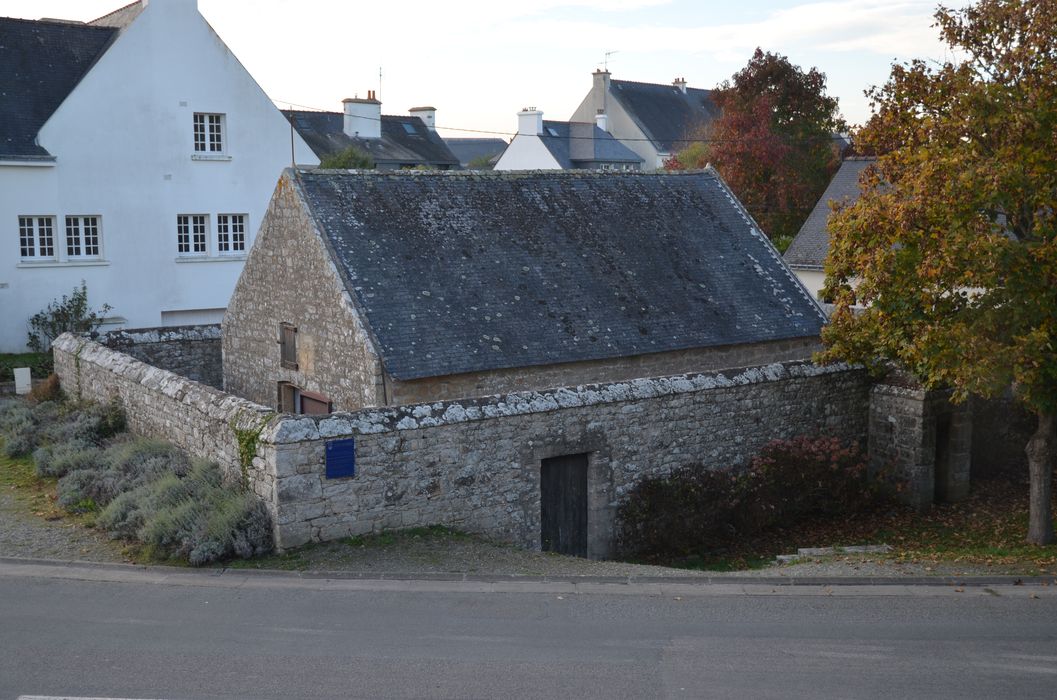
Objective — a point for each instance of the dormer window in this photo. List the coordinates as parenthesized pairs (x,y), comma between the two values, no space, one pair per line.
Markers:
(209,133)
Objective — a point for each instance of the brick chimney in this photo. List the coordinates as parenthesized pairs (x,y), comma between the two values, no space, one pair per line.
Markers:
(530,121)
(363,117)
(427,114)
(681,84)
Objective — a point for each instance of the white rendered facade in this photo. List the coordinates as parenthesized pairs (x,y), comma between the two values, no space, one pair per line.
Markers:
(128,176)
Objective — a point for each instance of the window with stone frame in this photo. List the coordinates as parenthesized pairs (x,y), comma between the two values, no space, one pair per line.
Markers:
(82,237)
(231,234)
(36,237)
(209,133)
(288,345)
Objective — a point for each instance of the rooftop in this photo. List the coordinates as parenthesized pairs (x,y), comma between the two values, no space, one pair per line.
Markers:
(460,272)
(811,245)
(404,141)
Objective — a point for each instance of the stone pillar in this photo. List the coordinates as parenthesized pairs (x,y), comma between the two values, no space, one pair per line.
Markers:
(952,477)
(901,441)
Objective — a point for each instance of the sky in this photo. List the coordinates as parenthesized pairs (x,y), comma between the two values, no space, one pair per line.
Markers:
(480,61)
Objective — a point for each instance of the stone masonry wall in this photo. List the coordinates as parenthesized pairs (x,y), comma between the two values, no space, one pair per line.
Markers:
(289,278)
(600,371)
(190,351)
(198,418)
(475,464)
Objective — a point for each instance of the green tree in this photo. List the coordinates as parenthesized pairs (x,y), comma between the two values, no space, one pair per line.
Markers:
(951,248)
(773,142)
(351,158)
(68,314)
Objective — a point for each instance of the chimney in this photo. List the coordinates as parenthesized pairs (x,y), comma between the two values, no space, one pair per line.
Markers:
(363,118)
(601,80)
(601,121)
(681,84)
(530,121)
(427,114)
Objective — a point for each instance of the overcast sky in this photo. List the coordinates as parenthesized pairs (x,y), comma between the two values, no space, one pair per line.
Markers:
(480,61)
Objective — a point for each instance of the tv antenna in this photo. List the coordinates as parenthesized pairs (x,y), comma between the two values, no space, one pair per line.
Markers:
(605,62)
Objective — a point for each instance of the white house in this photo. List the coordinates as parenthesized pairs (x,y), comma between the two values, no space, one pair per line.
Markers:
(136,154)
(550,145)
(652,119)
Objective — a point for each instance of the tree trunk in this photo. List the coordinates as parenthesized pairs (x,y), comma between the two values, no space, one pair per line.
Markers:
(1041,450)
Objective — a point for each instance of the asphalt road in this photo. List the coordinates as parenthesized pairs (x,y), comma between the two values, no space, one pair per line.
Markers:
(202,636)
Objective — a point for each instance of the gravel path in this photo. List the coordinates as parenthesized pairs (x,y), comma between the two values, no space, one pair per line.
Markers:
(23,534)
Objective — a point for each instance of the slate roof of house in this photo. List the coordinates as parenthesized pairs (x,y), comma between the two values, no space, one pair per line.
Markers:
(399,145)
(664,112)
(42,62)
(468,150)
(460,272)
(811,245)
(580,144)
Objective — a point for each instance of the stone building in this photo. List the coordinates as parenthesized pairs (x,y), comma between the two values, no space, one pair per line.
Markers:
(382,289)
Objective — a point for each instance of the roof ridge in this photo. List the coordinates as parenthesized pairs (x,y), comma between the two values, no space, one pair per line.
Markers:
(663,85)
(56,22)
(114,12)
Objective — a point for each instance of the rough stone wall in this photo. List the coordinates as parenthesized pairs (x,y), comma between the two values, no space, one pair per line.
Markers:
(200,419)
(190,351)
(475,464)
(290,278)
(1002,428)
(919,437)
(601,371)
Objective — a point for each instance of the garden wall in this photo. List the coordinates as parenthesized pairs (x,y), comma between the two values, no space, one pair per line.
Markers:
(190,351)
(474,464)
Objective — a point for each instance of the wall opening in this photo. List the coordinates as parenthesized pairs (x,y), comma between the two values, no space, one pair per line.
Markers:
(563,505)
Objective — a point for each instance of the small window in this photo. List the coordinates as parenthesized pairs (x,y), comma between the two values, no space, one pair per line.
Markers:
(409,128)
(231,234)
(36,237)
(191,234)
(209,133)
(287,346)
(82,237)
(552,131)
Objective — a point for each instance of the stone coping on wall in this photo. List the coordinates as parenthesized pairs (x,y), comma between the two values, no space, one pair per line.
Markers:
(217,404)
(294,429)
(161,334)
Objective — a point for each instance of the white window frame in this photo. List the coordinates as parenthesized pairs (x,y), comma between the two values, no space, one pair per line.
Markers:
(209,133)
(192,230)
(41,237)
(79,235)
(231,234)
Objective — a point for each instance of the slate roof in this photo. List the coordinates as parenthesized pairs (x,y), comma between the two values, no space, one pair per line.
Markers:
(811,245)
(324,133)
(580,145)
(460,272)
(664,112)
(42,62)
(469,150)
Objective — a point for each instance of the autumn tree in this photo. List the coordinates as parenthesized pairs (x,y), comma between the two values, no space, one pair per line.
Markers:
(773,142)
(951,248)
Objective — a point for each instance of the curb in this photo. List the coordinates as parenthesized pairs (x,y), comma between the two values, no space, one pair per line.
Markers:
(206,574)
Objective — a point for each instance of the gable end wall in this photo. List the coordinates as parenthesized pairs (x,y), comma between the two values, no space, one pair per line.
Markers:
(291,278)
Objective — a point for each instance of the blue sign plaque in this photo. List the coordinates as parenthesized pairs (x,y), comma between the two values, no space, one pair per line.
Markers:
(341,458)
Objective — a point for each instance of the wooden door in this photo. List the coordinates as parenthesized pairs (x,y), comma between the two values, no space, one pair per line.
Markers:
(563,505)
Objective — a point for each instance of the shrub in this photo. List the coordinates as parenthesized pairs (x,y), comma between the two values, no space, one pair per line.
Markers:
(48,390)
(694,510)
(70,313)
(62,458)
(352,157)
